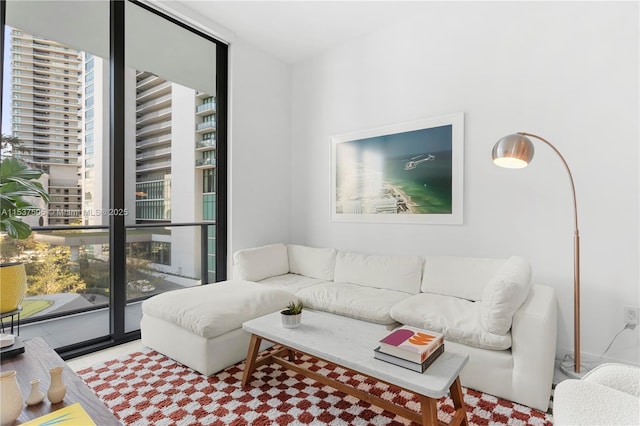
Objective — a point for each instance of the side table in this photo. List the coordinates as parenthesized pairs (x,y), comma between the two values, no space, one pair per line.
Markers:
(35,363)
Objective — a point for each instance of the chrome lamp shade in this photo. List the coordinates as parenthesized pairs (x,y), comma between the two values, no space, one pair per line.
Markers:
(515,152)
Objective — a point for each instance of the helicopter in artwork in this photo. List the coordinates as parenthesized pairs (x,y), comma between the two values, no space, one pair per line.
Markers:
(413,162)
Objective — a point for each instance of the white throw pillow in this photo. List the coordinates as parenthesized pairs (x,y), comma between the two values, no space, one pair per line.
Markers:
(504,294)
(255,264)
(312,262)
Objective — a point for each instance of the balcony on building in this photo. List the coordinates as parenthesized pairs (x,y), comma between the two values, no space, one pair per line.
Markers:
(154,141)
(206,109)
(153,153)
(154,104)
(206,144)
(154,117)
(153,166)
(205,163)
(154,129)
(154,92)
(146,81)
(206,126)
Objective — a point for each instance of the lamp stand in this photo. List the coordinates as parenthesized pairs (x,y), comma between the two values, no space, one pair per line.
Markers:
(576,372)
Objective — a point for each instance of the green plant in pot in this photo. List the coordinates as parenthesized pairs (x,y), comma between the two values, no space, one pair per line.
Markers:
(292,315)
(18,183)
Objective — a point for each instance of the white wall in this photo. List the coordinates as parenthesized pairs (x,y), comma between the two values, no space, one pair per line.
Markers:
(566,71)
(259,148)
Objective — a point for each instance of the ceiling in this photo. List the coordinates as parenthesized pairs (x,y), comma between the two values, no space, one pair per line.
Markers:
(296,30)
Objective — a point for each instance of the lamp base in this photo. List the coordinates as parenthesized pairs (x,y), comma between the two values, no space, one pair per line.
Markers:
(569,370)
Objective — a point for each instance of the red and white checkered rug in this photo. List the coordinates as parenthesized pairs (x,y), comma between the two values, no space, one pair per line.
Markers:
(147,388)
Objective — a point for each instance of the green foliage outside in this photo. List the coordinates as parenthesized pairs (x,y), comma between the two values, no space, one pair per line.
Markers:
(51,273)
(50,269)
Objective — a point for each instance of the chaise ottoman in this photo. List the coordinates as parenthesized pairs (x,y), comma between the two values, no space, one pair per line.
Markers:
(201,327)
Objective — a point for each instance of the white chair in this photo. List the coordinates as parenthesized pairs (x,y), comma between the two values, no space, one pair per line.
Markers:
(607,395)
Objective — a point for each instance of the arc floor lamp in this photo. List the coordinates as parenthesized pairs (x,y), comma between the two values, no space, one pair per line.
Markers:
(515,152)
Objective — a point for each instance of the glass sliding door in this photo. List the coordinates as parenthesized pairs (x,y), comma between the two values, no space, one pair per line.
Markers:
(123,116)
(170,150)
(57,114)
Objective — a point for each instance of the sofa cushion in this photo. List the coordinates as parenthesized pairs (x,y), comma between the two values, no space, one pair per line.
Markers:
(215,309)
(399,273)
(504,294)
(352,300)
(458,319)
(312,262)
(290,282)
(463,277)
(255,264)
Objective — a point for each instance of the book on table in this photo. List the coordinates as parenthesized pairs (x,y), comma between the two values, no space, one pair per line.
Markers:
(411,343)
(401,362)
(71,415)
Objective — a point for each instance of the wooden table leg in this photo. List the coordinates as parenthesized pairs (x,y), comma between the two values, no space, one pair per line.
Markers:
(292,355)
(458,402)
(429,409)
(252,354)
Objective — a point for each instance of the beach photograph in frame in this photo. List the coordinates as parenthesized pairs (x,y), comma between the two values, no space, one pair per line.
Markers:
(404,173)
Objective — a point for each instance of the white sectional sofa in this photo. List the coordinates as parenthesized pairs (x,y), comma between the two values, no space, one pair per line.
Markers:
(486,308)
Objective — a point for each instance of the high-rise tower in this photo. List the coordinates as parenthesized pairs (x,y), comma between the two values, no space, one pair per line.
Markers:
(46,108)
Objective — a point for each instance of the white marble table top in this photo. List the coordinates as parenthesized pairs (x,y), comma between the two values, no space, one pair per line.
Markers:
(350,343)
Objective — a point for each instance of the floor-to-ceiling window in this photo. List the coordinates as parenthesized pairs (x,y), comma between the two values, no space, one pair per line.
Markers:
(124,111)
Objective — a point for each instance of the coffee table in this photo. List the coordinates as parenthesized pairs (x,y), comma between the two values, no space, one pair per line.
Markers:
(349,343)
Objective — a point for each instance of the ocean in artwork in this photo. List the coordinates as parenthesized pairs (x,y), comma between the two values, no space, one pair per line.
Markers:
(428,185)
(402,173)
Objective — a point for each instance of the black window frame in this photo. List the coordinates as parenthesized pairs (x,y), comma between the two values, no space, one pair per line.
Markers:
(117,228)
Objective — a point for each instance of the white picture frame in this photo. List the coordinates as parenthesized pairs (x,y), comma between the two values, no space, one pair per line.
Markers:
(403,173)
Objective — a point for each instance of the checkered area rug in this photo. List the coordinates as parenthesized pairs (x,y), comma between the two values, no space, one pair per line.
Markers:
(147,388)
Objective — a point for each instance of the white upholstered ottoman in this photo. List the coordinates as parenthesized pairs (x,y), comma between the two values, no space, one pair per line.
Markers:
(201,327)
(607,395)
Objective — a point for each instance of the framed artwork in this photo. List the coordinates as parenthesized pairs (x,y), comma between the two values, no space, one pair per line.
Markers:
(404,173)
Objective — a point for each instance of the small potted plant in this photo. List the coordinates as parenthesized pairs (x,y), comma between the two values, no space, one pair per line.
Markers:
(292,315)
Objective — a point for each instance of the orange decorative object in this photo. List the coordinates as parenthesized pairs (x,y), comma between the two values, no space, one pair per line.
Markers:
(421,339)
(13,284)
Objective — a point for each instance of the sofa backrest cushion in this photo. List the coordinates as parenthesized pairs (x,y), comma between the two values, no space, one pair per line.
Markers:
(400,273)
(504,294)
(463,277)
(255,264)
(312,262)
